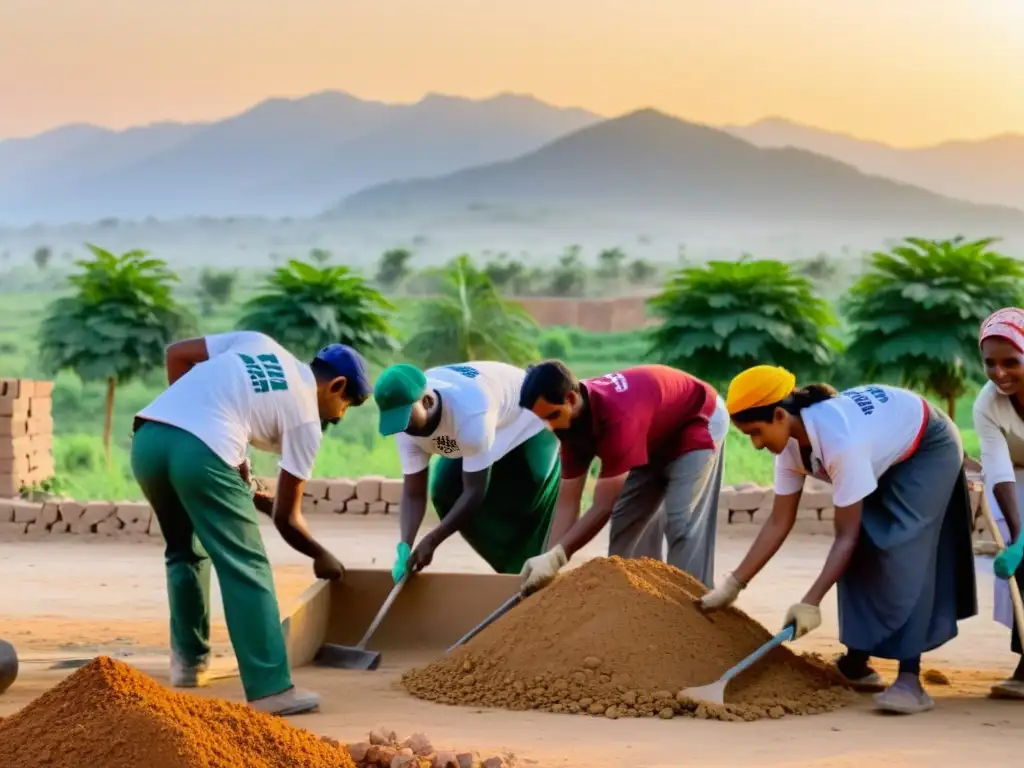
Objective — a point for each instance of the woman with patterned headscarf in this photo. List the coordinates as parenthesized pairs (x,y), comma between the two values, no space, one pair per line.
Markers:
(999,421)
(902,555)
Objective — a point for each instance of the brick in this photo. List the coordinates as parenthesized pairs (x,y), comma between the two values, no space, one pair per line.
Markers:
(132,512)
(80,529)
(814,527)
(154,526)
(10,448)
(10,486)
(748,501)
(36,530)
(10,389)
(96,512)
(6,511)
(50,513)
(816,500)
(391,491)
(356,507)
(40,443)
(10,530)
(827,514)
(13,427)
(394,509)
(40,425)
(341,489)
(59,527)
(26,511)
(42,389)
(40,406)
(109,526)
(377,508)
(308,505)
(139,526)
(368,488)
(326,506)
(317,488)
(71,511)
(18,409)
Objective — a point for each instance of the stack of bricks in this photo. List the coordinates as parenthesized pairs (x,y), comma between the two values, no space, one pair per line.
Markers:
(37,519)
(26,434)
(370,495)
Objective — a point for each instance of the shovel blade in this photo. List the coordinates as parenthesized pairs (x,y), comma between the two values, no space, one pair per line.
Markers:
(712,694)
(346,657)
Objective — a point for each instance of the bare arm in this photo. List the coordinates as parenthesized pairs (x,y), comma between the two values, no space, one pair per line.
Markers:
(1006,498)
(770,537)
(413,506)
(587,527)
(474,488)
(184,355)
(288,518)
(567,509)
(847,527)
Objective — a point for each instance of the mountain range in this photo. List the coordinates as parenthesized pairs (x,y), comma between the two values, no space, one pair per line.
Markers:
(351,157)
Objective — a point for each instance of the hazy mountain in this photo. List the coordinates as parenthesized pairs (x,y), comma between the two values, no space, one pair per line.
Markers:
(650,164)
(282,157)
(985,171)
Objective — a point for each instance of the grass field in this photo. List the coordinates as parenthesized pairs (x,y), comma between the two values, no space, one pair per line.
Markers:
(352,448)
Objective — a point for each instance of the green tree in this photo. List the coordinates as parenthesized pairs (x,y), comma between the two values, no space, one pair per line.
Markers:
(506,274)
(914,315)
(719,319)
(610,262)
(640,271)
(320,255)
(41,256)
(820,268)
(215,287)
(305,308)
(115,325)
(470,321)
(393,268)
(569,277)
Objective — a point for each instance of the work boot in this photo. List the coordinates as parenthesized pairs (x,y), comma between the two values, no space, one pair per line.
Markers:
(293,701)
(1009,689)
(185,675)
(904,697)
(860,677)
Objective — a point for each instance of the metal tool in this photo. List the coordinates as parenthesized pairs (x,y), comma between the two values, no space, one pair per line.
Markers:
(507,606)
(715,692)
(357,657)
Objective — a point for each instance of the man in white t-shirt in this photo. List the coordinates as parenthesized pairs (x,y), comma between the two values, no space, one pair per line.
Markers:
(497,476)
(229,391)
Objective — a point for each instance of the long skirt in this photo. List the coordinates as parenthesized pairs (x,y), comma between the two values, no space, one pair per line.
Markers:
(911,578)
(1002,604)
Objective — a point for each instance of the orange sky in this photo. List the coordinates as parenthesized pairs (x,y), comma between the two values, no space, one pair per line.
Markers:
(903,71)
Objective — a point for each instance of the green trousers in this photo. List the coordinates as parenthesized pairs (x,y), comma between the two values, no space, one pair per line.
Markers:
(512,524)
(207,517)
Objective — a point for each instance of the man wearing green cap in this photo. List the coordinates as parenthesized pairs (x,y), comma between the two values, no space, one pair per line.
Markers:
(496,481)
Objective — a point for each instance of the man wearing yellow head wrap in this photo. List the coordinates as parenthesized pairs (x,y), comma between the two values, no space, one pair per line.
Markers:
(902,555)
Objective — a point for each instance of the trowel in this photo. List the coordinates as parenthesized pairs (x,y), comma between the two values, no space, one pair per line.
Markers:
(357,657)
(714,693)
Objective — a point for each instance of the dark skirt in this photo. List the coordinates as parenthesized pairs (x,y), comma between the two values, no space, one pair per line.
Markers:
(911,578)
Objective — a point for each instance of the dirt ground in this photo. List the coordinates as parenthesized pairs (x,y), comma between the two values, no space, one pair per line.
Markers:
(68,598)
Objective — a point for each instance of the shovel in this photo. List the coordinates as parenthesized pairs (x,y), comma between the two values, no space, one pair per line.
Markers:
(715,692)
(1015,596)
(357,657)
(507,606)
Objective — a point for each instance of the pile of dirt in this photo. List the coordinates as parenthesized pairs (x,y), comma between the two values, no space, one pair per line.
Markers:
(108,714)
(621,638)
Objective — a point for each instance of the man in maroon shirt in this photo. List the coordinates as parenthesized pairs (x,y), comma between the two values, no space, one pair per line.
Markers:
(659,434)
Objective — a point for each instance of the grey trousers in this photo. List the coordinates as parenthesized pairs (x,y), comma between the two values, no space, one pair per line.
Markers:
(689,488)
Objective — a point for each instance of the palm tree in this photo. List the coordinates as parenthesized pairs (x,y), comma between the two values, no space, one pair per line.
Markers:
(718,319)
(305,307)
(470,321)
(116,324)
(915,314)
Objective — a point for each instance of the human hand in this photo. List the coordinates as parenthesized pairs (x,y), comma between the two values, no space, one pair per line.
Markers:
(804,618)
(401,566)
(723,595)
(327,566)
(264,503)
(1008,561)
(423,555)
(539,571)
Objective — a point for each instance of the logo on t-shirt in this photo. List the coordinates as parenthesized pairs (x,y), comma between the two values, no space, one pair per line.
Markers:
(466,370)
(265,373)
(865,398)
(445,444)
(617,380)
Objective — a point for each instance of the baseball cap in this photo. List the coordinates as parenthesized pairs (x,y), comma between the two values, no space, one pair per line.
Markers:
(398,389)
(345,361)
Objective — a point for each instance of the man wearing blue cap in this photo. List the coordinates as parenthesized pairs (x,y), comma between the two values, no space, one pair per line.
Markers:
(496,476)
(229,391)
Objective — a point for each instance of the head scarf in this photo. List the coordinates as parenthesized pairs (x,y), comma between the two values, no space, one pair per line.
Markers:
(759,386)
(1006,323)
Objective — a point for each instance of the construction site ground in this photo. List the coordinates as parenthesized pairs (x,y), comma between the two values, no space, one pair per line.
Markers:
(76,598)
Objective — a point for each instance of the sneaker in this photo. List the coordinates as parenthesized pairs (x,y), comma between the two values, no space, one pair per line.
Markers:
(1009,689)
(904,698)
(184,675)
(293,701)
(870,682)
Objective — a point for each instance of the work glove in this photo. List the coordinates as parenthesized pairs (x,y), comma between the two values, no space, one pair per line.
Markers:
(1008,561)
(541,570)
(723,595)
(401,565)
(804,618)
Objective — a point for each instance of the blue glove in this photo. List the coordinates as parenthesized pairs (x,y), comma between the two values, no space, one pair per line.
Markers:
(401,562)
(1008,561)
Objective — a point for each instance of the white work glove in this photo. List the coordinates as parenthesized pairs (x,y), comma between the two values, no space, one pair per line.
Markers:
(541,570)
(723,595)
(804,618)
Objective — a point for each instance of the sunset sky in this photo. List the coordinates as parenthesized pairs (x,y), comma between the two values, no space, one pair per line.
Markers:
(908,72)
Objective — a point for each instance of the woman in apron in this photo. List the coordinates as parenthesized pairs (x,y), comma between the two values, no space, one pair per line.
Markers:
(902,555)
(999,422)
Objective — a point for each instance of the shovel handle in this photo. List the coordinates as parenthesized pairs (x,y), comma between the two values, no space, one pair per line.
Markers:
(1015,598)
(501,611)
(382,612)
(784,636)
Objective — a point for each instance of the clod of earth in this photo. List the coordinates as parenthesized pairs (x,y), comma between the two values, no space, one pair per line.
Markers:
(385,749)
(621,638)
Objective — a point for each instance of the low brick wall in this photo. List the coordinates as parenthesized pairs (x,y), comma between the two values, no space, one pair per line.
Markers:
(741,508)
